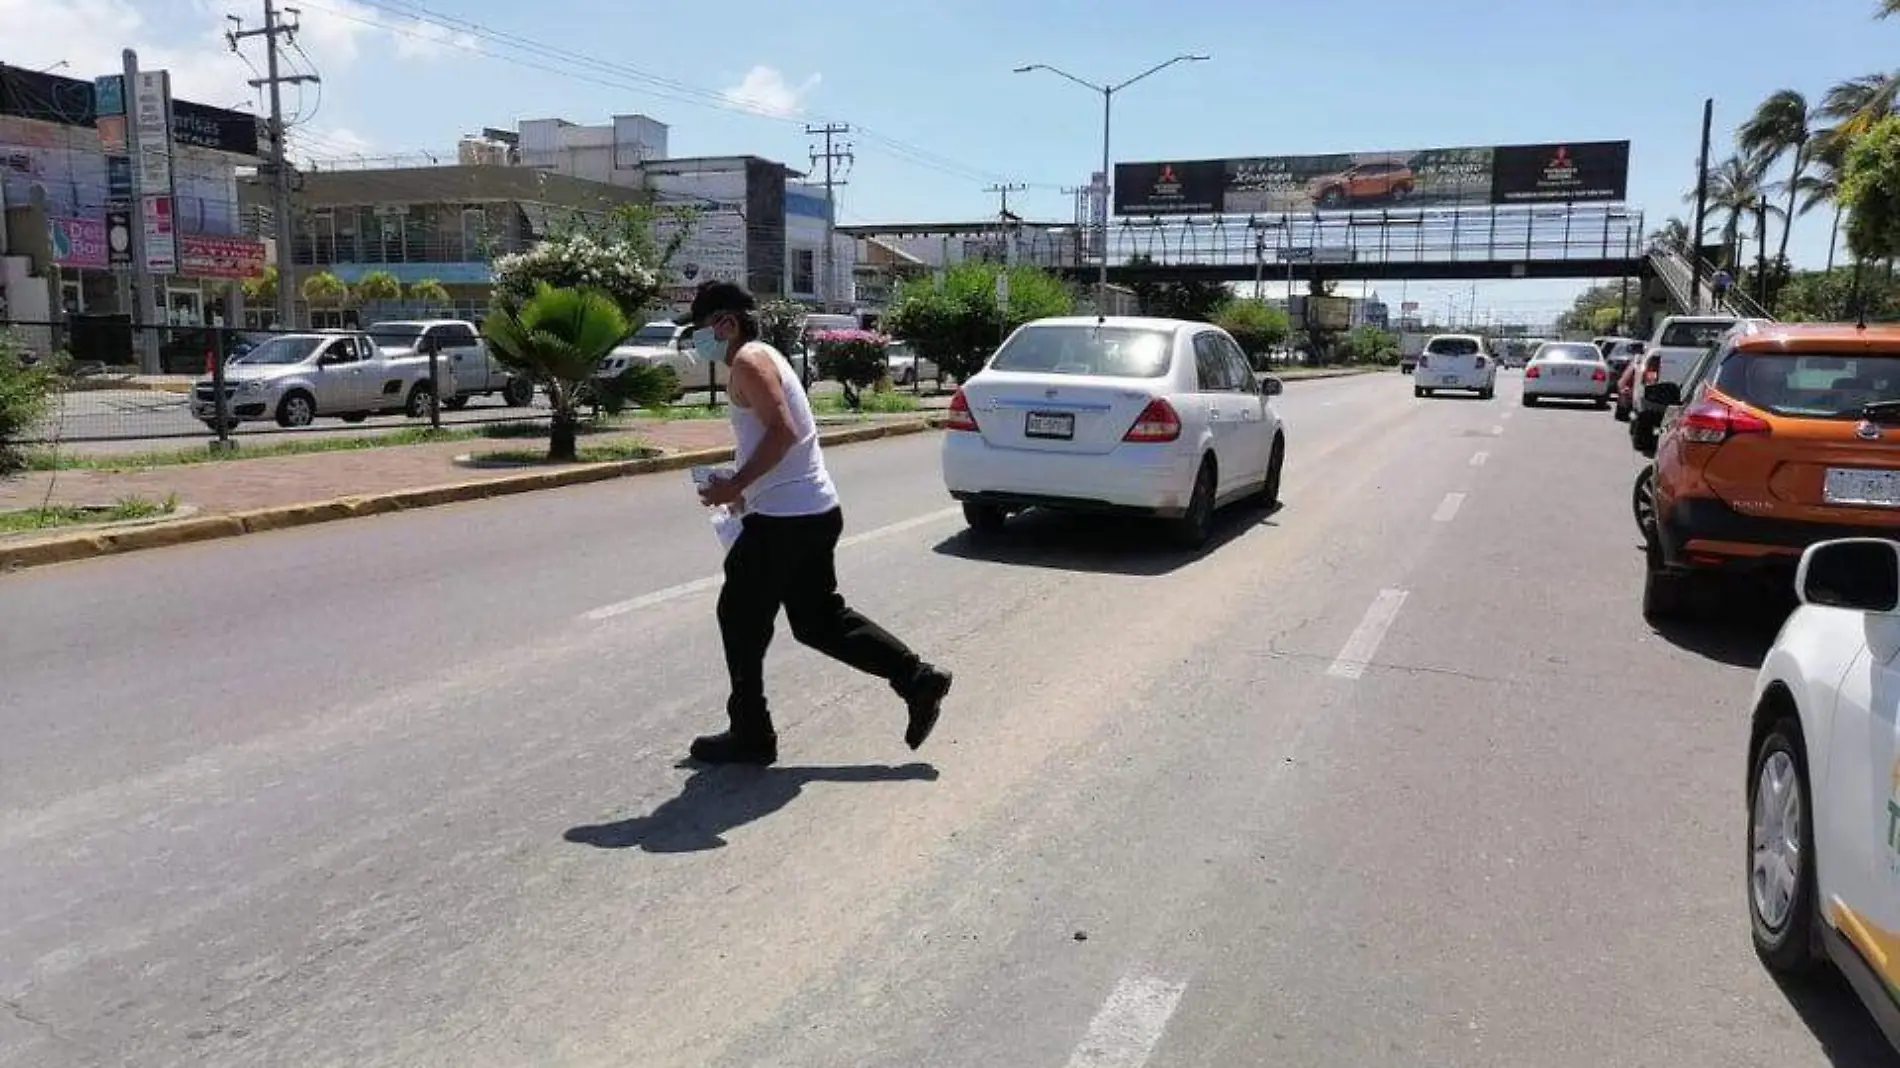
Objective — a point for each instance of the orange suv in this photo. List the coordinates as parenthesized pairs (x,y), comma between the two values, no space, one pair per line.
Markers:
(1373,180)
(1789,434)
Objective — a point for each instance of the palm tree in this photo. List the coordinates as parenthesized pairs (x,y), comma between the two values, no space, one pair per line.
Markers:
(1823,186)
(1782,125)
(557,337)
(1735,188)
(1675,234)
(1858,103)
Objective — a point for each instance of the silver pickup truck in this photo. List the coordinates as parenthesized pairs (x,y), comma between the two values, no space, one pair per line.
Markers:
(294,378)
(461,350)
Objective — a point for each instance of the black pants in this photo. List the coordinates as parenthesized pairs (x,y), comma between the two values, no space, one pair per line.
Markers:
(788,561)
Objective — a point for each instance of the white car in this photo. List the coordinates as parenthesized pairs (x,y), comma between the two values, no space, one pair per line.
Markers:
(1567,370)
(907,367)
(1455,361)
(1824,778)
(1154,417)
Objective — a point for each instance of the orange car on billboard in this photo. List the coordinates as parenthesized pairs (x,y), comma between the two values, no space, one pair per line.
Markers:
(1364,182)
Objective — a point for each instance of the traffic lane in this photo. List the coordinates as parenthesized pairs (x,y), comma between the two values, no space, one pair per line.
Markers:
(406,844)
(213,643)
(1533,828)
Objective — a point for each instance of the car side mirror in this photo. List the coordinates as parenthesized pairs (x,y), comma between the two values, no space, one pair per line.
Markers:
(1662,394)
(1861,574)
(1272,385)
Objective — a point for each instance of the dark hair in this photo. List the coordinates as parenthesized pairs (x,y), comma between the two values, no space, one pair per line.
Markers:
(748,325)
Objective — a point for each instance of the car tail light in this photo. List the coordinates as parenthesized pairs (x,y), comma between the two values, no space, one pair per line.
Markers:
(960,417)
(1599,375)
(1156,423)
(1711,422)
(1533,371)
(1424,361)
(1652,370)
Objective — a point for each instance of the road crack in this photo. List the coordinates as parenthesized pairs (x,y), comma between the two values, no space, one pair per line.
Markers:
(13,1008)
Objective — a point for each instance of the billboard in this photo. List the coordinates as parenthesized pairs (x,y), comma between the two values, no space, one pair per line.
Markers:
(1568,172)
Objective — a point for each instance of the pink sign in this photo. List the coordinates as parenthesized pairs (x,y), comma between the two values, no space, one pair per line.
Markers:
(203,256)
(79,242)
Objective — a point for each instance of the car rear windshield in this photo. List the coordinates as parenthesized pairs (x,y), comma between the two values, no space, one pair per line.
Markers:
(1693,335)
(1086,349)
(1452,346)
(1570,352)
(1810,385)
(654,333)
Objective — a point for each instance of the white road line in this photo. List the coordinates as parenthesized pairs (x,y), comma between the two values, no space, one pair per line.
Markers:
(1364,641)
(1448,507)
(1124,1033)
(1508,414)
(1478,458)
(711,582)
(1497,430)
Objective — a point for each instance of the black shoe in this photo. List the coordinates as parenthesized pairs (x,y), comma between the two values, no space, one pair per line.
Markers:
(729,748)
(926,702)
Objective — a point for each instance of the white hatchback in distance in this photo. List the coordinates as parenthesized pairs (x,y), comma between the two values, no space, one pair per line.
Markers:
(1154,417)
(1567,370)
(1824,778)
(1455,361)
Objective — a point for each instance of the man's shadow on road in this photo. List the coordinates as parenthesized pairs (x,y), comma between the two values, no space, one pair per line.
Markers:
(716,800)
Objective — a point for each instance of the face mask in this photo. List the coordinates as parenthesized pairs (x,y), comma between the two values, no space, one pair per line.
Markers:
(707,346)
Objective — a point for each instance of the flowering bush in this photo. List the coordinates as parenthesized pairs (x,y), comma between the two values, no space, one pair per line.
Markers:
(854,358)
(578,260)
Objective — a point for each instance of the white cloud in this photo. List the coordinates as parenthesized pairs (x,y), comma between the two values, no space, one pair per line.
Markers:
(417,39)
(765,90)
(87,36)
(332,32)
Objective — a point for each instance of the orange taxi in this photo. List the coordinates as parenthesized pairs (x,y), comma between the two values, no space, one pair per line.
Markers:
(1785,434)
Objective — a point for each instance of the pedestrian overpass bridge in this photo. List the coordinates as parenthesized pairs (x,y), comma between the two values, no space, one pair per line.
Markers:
(1585,242)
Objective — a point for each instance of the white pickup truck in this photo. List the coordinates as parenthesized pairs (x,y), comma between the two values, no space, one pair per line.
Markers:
(462,355)
(1679,341)
(294,378)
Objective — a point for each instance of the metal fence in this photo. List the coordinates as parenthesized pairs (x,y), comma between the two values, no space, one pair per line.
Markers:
(204,385)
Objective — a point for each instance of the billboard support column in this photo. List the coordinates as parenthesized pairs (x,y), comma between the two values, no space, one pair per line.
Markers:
(1701,209)
(1101,274)
(145,342)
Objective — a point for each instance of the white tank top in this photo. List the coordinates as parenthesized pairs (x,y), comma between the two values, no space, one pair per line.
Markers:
(798,484)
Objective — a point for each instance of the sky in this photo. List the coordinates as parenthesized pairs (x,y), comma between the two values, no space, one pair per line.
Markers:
(938,116)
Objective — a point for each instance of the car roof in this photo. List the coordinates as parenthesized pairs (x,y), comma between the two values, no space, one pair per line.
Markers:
(1463,337)
(1761,335)
(1137,322)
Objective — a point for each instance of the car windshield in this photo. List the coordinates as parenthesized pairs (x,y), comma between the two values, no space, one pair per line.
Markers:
(654,334)
(1693,335)
(1569,352)
(282,351)
(1452,346)
(396,335)
(1111,351)
(1810,385)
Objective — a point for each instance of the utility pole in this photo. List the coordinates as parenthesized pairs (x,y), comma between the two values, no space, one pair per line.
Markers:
(1002,215)
(274,28)
(1701,209)
(1080,195)
(831,154)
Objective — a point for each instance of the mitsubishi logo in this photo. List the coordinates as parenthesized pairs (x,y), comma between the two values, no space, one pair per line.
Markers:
(1868,430)
(1167,173)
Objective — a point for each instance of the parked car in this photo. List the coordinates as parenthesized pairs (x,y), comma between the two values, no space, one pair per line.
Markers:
(1823,877)
(1154,417)
(1567,370)
(907,367)
(461,349)
(1678,342)
(294,378)
(1455,361)
(189,350)
(1625,360)
(1790,435)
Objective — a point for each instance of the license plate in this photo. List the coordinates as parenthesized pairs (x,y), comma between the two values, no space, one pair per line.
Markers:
(1860,485)
(1447,379)
(1059,426)
(1566,372)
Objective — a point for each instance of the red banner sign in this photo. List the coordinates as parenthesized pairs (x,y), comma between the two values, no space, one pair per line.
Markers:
(236,258)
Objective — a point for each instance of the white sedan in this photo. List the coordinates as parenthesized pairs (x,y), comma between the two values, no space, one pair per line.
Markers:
(908,366)
(1156,417)
(1824,778)
(1567,370)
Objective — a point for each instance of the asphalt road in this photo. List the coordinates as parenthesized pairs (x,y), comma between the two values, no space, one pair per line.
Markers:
(1395,775)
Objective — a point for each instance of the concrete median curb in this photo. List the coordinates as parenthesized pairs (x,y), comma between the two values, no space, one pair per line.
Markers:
(66,548)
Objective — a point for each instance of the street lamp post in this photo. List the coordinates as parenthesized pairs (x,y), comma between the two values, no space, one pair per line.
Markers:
(1108,99)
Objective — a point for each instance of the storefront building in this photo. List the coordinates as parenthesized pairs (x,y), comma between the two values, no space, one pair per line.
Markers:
(66,180)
